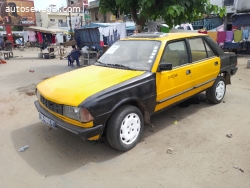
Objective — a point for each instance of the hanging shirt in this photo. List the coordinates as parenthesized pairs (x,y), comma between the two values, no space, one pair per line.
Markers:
(53,39)
(25,36)
(32,36)
(40,37)
(245,34)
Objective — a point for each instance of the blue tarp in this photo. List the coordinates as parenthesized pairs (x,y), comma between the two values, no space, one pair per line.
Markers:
(88,37)
(242,20)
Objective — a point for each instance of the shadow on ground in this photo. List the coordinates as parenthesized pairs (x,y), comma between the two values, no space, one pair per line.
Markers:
(56,152)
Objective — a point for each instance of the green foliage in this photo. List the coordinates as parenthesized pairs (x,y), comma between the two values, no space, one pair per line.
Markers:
(17,28)
(173,12)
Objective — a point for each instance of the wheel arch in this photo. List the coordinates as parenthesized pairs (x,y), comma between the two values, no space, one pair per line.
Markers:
(133,102)
(227,77)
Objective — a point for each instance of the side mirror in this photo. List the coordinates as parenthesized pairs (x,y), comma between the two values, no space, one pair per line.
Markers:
(165,66)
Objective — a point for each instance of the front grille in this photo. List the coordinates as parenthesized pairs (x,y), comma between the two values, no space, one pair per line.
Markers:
(57,108)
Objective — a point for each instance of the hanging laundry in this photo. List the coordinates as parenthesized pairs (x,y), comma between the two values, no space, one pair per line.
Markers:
(220,28)
(245,34)
(25,36)
(221,37)
(229,36)
(53,39)
(123,32)
(40,37)
(238,36)
(213,35)
(32,36)
(101,37)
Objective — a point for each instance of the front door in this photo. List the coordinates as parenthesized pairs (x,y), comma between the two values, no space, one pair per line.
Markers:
(176,84)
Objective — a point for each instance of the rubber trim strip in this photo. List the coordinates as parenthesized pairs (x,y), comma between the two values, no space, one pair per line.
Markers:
(178,94)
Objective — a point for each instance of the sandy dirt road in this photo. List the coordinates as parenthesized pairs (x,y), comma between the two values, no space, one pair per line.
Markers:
(203,156)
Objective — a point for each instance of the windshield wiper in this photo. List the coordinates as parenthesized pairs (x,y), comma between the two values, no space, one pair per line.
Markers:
(101,63)
(119,65)
(114,65)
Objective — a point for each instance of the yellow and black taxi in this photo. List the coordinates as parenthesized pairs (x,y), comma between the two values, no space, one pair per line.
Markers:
(135,78)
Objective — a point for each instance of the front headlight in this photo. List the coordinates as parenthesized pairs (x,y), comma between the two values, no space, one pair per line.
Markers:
(76,113)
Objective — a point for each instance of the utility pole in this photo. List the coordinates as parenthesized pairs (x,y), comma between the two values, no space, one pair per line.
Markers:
(70,25)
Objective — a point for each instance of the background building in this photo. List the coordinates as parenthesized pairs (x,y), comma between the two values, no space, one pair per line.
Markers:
(97,16)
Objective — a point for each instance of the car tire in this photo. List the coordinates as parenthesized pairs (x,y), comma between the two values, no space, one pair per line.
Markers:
(216,93)
(125,128)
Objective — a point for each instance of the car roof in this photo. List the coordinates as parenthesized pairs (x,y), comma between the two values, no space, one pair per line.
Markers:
(161,36)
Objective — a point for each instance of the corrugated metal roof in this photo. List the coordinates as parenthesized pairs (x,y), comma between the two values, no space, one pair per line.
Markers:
(241,20)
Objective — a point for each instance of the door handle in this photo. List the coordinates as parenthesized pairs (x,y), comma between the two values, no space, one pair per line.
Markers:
(188,72)
(215,63)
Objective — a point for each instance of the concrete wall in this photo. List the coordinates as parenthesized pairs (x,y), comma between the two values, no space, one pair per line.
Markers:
(237,6)
(243,6)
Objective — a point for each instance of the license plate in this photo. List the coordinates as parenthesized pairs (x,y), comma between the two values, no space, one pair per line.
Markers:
(47,120)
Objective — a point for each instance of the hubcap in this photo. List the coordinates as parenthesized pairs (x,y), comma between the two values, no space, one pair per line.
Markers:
(220,90)
(130,128)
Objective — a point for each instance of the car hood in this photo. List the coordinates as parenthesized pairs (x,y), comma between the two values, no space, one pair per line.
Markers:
(74,87)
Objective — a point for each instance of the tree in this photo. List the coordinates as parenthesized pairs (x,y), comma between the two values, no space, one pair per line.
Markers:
(173,12)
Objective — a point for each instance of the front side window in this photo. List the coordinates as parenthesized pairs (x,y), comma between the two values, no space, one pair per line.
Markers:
(175,53)
(198,49)
(136,55)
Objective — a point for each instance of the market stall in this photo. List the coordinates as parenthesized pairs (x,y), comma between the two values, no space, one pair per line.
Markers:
(96,39)
(236,39)
(43,38)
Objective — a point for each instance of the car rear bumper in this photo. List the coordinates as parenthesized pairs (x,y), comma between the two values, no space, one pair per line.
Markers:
(234,70)
(84,133)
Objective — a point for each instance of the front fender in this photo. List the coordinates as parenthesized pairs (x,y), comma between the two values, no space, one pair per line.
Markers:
(140,90)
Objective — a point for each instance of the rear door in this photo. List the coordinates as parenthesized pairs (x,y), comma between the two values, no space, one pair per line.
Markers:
(206,64)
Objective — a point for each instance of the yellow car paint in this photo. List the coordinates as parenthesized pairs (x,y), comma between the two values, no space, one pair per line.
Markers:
(182,97)
(74,87)
(206,69)
(95,137)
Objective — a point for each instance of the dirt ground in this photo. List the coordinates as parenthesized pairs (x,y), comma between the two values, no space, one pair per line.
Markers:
(203,156)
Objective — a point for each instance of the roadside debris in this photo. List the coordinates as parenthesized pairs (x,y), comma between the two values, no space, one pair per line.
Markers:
(175,122)
(170,150)
(22,149)
(44,176)
(31,93)
(2,61)
(31,71)
(236,167)
(229,135)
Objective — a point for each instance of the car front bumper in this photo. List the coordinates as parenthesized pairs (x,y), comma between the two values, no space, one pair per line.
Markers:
(84,133)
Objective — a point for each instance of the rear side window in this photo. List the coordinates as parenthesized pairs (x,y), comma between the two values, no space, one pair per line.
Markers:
(210,53)
(198,49)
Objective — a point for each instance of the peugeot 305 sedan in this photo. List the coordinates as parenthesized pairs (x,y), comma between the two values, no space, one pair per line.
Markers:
(135,78)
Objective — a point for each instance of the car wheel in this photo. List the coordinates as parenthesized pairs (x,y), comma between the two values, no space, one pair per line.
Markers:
(216,93)
(125,127)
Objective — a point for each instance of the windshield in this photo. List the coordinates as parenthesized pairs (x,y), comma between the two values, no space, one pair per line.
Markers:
(136,55)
